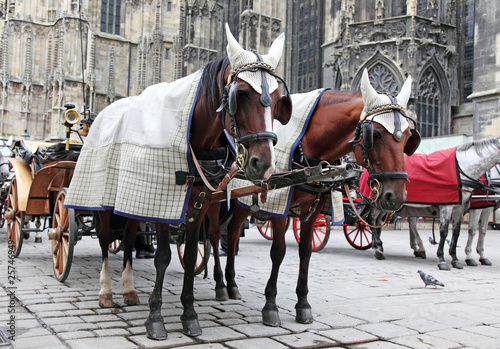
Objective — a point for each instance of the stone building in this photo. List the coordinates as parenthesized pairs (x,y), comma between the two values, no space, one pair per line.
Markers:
(92,53)
(450,48)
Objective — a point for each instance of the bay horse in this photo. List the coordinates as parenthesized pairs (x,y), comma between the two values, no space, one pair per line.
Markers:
(4,163)
(334,130)
(249,102)
(473,159)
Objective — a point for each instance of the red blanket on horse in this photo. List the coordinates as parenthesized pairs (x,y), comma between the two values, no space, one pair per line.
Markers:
(434,178)
(477,204)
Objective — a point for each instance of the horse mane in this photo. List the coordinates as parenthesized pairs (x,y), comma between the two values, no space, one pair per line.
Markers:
(211,87)
(480,146)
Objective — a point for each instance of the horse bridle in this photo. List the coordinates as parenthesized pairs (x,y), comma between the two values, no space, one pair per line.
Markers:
(229,106)
(363,137)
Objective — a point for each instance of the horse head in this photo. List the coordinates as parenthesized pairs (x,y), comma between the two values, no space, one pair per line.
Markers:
(251,101)
(4,165)
(382,138)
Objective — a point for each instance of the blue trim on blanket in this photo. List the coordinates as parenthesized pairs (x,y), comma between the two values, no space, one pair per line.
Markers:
(292,150)
(149,219)
(85,208)
(188,151)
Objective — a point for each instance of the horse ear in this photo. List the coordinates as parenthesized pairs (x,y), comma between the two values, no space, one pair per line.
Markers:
(367,91)
(404,94)
(283,110)
(276,49)
(234,49)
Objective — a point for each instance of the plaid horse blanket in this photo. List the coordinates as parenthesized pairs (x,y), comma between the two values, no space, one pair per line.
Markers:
(133,149)
(434,179)
(289,136)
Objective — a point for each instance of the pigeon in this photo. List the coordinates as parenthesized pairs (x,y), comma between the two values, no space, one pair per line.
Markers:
(429,279)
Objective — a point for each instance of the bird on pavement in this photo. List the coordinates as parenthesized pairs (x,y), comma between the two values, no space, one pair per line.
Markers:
(429,279)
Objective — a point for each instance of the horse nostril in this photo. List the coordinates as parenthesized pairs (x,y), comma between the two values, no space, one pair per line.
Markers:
(254,163)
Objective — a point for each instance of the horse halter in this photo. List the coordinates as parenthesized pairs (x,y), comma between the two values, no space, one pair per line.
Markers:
(229,105)
(363,137)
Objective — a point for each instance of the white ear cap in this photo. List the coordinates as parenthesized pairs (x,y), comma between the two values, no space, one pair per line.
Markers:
(276,50)
(234,49)
(404,94)
(367,91)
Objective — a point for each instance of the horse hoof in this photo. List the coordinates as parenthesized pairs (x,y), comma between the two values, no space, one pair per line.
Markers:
(471,262)
(457,265)
(420,254)
(106,300)
(485,261)
(271,318)
(221,294)
(131,298)
(303,315)
(443,266)
(234,293)
(379,255)
(191,328)
(156,330)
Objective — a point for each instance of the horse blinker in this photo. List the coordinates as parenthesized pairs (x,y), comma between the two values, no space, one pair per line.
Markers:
(413,142)
(367,134)
(283,109)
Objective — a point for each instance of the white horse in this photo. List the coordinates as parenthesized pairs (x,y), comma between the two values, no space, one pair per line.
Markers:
(478,220)
(4,163)
(473,159)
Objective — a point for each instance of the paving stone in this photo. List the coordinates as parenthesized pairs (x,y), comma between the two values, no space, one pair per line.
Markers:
(465,338)
(378,345)
(348,335)
(425,341)
(101,342)
(73,327)
(304,340)
(174,339)
(116,332)
(260,330)
(41,342)
(386,330)
(219,334)
(75,335)
(256,343)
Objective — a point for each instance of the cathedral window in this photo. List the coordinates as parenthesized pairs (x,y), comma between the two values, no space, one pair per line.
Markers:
(110,16)
(428,105)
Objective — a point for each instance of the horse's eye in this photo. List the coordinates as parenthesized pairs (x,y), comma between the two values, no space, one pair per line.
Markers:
(242,93)
(377,134)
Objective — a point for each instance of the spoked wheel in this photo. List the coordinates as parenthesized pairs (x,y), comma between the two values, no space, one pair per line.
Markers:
(63,236)
(359,236)
(202,256)
(321,232)
(266,229)
(115,247)
(15,220)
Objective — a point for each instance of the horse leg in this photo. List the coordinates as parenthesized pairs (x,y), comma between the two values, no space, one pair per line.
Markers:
(270,315)
(155,328)
(189,318)
(456,222)
(129,234)
(483,226)
(215,235)
(415,240)
(233,233)
(443,234)
(303,312)
(105,238)
(377,243)
(473,226)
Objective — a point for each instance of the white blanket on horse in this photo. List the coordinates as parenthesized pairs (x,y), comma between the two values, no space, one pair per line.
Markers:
(134,148)
(289,136)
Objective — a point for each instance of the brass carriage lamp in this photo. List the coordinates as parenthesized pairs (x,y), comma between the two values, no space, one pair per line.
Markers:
(71,117)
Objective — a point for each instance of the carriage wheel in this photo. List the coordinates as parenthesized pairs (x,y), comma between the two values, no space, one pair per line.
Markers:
(360,236)
(266,229)
(115,247)
(201,259)
(15,220)
(64,237)
(321,232)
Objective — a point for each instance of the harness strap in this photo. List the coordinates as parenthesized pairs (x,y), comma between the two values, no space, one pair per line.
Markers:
(200,171)
(312,209)
(397,134)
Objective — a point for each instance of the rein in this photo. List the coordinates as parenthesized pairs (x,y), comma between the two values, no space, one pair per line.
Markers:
(349,197)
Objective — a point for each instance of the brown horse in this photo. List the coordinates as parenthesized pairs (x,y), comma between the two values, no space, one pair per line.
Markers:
(334,128)
(248,104)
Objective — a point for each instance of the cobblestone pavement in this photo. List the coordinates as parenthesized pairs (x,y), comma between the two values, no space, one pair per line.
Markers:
(357,301)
